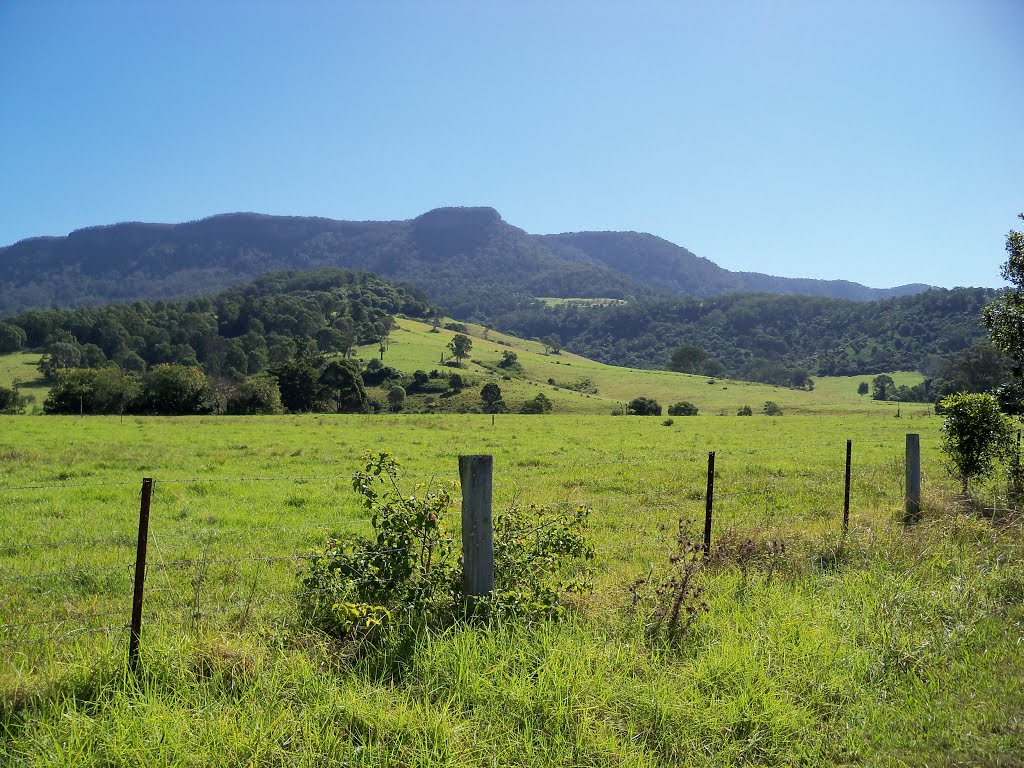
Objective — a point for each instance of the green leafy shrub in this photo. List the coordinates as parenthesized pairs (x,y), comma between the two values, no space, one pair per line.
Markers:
(771,408)
(975,435)
(745,411)
(684,408)
(410,572)
(539,404)
(643,406)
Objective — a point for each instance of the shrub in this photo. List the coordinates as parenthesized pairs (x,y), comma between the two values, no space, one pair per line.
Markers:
(540,404)
(396,398)
(509,360)
(256,395)
(685,408)
(771,408)
(668,422)
(408,571)
(745,411)
(643,406)
(975,435)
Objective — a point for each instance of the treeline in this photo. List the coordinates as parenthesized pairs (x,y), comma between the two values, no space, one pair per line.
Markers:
(237,333)
(769,338)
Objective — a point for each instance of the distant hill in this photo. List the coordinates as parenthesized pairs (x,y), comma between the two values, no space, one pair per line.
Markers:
(468,260)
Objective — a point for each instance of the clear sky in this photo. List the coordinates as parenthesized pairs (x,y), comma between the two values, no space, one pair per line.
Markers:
(877,141)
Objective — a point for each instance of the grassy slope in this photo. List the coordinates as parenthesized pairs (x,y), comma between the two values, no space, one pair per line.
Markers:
(415,347)
(22,368)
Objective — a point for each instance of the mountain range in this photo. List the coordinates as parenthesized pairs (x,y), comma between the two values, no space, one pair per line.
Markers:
(468,260)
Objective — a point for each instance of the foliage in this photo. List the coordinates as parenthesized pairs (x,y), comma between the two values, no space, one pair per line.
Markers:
(12,338)
(509,360)
(771,408)
(11,401)
(684,408)
(94,391)
(456,382)
(687,359)
(396,398)
(490,393)
(257,395)
(883,387)
(745,410)
(409,571)
(643,406)
(1004,317)
(460,345)
(539,404)
(862,388)
(975,435)
(178,390)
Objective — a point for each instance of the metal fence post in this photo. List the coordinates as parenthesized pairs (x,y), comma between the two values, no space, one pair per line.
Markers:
(846,496)
(135,635)
(709,503)
(913,510)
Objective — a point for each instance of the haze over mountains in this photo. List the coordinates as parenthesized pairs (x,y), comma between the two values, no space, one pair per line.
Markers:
(468,260)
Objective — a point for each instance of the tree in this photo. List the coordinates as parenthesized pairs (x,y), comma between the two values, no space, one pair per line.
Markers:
(396,398)
(771,408)
(178,390)
(456,382)
(1004,317)
(684,408)
(643,406)
(299,384)
(975,434)
(883,387)
(552,344)
(257,395)
(10,401)
(686,359)
(460,345)
(12,338)
(490,393)
(746,410)
(509,360)
(540,404)
(862,388)
(341,386)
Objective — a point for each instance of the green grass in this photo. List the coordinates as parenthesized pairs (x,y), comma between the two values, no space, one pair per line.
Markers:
(893,648)
(21,368)
(586,387)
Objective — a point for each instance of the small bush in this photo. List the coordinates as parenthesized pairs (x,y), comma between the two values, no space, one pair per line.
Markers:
(643,406)
(771,408)
(668,422)
(685,408)
(745,411)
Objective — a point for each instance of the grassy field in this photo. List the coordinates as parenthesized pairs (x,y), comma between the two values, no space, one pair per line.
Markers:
(891,647)
(586,387)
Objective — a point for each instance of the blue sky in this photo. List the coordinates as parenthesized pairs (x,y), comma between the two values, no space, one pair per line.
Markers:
(880,142)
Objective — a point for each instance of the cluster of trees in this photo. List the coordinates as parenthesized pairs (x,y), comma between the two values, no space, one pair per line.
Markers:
(238,333)
(782,340)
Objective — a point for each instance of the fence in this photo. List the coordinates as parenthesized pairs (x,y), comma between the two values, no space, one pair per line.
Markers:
(184,578)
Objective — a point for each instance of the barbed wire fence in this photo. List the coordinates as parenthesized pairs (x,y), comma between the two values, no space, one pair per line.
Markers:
(206,577)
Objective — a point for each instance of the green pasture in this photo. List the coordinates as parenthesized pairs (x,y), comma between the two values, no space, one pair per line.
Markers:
(584,386)
(885,647)
(21,369)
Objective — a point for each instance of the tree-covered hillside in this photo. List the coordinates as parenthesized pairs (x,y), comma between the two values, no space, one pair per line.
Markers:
(238,332)
(468,260)
(753,335)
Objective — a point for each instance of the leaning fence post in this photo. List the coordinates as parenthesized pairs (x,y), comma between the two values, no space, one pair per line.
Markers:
(140,574)
(709,502)
(846,496)
(913,510)
(476,475)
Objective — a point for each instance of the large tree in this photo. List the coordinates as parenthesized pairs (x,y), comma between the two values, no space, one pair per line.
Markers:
(1005,316)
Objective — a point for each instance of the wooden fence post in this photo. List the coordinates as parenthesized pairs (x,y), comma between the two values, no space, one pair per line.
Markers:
(135,635)
(913,510)
(709,502)
(476,474)
(846,496)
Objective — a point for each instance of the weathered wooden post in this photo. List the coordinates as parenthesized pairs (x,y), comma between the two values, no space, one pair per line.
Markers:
(846,496)
(709,503)
(476,474)
(913,510)
(135,635)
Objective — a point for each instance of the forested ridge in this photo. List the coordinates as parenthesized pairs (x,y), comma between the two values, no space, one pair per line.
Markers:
(761,336)
(468,260)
